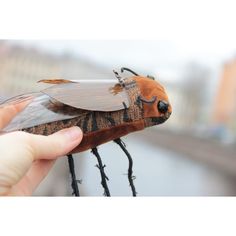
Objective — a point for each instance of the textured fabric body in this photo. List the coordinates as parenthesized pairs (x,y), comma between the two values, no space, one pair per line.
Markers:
(94,139)
(100,127)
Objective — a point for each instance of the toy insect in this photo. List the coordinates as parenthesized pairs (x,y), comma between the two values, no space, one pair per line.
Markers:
(104,110)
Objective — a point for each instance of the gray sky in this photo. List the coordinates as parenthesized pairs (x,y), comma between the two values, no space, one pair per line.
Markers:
(163,58)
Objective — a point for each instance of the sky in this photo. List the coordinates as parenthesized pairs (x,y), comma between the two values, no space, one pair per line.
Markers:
(164,58)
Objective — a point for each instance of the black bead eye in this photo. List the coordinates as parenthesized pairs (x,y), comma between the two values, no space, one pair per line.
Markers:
(162,106)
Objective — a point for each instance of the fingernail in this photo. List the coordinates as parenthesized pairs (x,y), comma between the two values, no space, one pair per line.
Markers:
(72,133)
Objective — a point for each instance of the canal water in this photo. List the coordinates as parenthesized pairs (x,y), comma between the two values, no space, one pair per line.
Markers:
(159,172)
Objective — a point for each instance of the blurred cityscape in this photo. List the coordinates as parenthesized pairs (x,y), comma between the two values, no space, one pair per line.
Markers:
(193,153)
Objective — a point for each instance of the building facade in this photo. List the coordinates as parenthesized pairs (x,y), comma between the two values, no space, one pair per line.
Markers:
(21,68)
(224,113)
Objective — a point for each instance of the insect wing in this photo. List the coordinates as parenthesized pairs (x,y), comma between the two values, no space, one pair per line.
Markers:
(90,95)
(40,110)
(49,106)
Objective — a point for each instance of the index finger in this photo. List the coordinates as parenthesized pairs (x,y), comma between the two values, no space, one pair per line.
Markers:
(8,112)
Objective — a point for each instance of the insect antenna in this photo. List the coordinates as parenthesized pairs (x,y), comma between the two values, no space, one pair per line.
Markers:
(74,182)
(101,167)
(127,69)
(130,169)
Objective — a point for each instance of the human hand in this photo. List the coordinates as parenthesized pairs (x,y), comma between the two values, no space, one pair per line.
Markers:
(25,159)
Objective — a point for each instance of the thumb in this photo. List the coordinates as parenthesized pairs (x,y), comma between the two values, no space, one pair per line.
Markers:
(55,145)
(21,144)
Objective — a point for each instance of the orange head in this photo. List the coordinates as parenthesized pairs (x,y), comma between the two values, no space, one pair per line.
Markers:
(156,106)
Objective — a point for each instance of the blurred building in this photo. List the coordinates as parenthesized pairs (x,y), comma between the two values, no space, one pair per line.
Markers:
(176,98)
(224,113)
(189,102)
(21,68)
(185,113)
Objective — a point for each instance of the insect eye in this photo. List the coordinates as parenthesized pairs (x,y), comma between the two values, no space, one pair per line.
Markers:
(162,106)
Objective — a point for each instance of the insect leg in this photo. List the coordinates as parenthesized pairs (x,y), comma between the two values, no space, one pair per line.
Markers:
(130,169)
(101,167)
(74,183)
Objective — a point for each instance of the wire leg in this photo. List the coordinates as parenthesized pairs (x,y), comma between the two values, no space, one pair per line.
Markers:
(74,183)
(101,167)
(130,169)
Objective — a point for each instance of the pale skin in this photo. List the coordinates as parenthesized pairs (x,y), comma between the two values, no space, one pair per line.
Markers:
(25,159)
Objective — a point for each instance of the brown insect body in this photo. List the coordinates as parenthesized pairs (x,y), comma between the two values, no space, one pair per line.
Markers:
(135,108)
